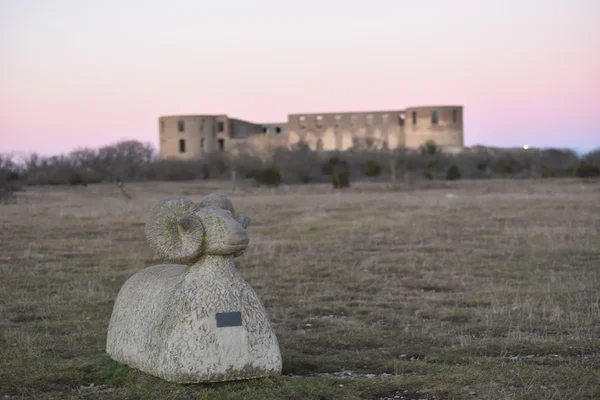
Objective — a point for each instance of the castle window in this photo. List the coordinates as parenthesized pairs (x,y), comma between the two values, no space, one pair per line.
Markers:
(265,130)
(319,119)
(278,130)
(221,144)
(181,125)
(221,127)
(162,126)
(202,143)
(301,120)
(182,145)
(454,116)
(414,117)
(434,117)
(401,119)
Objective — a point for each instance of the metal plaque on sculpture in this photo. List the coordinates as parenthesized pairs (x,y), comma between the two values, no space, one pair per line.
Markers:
(229,319)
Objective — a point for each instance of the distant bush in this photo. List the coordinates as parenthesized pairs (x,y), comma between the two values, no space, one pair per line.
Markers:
(429,148)
(75,179)
(7,190)
(506,165)
(372,168)
(333,163)
(547,172)
(340,179)
(452,173)
(135,161)
(12,176)
(587,170)
(429,169)
(340,175)
(593,157)
(304,177)
(269,176)
(298,164)
(172,170)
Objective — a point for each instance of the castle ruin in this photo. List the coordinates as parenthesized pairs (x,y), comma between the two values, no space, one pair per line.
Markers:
(190,137)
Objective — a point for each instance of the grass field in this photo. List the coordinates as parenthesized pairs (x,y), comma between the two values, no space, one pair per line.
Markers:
(487,289)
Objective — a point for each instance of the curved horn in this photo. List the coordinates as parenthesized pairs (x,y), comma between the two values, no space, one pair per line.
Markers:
(174,231)
(218,200)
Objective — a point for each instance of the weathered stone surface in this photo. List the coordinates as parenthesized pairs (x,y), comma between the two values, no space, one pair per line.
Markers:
(164,320)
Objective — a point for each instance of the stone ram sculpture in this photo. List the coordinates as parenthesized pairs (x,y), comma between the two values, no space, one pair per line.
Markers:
(199,322)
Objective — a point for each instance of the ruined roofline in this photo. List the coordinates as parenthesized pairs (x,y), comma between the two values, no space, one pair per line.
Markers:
(192,115)
(435,106)
(212,116)
(376,111)
(347,112)
(446,106)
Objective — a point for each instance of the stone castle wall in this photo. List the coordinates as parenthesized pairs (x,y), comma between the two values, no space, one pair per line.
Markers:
(445,129)
(192,136)
(341,131)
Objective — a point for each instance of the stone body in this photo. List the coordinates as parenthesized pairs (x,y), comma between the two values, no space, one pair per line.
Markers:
(166,318)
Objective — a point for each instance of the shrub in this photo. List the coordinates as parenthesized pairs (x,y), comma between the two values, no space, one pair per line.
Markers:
(12,176)
(174,170)
(340,172)
(269,176)
(593,157)
(340,179)
(429,148)
(250,173)
(298,164)
(452,173)
(546,172)
(429,169)
(587,170)
(7,190)
(372,168)
(333,163)
(556,162)
(506,164)
(75,179)
(304,177)
(218,161)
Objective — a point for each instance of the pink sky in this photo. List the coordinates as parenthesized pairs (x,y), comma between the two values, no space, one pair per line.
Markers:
(84,74)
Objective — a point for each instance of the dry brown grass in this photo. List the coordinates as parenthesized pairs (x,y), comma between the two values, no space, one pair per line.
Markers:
(471,289)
